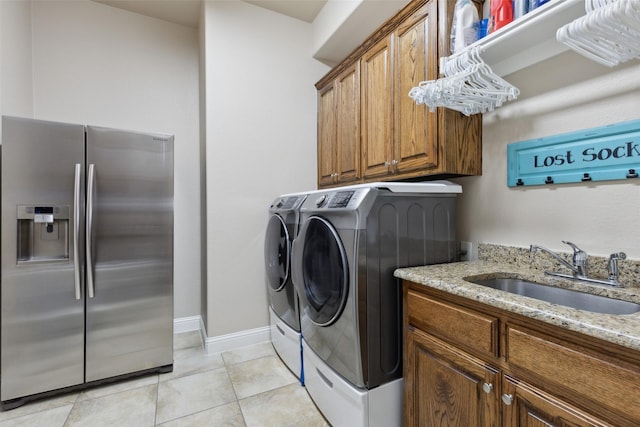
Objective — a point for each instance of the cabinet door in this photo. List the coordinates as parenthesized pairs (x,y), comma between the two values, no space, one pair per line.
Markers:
(416,60)
(446,387)
(526,406)
(376,110)
(348,125)
(586,375)
(327,135)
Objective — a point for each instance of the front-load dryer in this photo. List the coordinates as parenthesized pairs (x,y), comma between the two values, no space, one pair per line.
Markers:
(350,242)
(284,307)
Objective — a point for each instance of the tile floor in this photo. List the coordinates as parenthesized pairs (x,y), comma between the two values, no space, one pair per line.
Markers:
(249,387)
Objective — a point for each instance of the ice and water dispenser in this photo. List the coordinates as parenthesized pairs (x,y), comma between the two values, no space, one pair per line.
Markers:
(43,233)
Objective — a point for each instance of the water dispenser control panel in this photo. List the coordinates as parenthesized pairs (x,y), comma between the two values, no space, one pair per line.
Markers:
(43,233)
(43,214)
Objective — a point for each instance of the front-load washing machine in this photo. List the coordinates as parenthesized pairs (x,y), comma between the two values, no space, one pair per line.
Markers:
(350,242)
(284,311)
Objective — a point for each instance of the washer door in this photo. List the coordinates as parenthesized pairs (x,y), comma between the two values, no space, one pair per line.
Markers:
(277,252)
(323,271)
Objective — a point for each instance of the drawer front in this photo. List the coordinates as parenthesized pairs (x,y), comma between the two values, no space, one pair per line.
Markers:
(453,324)
(597,380)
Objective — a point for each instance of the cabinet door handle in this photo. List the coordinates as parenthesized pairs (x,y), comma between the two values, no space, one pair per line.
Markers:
(394,162)
(387,164)
(487,387)
(507,399)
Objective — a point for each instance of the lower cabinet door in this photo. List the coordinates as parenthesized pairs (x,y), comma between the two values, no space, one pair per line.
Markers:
(526,406)
(447,387)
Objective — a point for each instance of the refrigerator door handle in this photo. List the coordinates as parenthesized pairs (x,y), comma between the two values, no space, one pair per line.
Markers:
(76,229)
(90,184)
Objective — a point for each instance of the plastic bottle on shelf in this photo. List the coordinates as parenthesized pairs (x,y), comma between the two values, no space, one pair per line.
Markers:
(486,9)
(464,30)
(520,8)
(534,4)
(482,28)
(501,14)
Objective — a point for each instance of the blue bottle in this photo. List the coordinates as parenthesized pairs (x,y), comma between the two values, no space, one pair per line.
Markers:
(520,8)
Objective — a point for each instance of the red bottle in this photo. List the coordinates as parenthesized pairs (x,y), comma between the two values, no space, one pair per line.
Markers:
(501,13)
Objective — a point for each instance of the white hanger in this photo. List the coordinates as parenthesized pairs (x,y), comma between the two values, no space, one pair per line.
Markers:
(469,86)
(609,33)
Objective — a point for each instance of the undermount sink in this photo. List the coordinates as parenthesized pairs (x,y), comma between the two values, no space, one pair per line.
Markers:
(554,295)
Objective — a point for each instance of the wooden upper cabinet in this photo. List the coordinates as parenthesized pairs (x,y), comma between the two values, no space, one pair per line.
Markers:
(397,134)
(327,135)
(339,129)
(396,138)
(415,133)
(348,125)
(376,109)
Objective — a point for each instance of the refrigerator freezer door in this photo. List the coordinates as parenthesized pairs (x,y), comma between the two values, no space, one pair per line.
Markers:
(42,322)
(130,217)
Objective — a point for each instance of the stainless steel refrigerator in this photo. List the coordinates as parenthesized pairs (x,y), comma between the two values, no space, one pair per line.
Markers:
(87,256)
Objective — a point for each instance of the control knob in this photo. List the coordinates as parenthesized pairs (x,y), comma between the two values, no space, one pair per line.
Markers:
(321,200)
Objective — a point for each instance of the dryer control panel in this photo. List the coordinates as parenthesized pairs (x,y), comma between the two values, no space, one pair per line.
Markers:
(336,199)
(341,199)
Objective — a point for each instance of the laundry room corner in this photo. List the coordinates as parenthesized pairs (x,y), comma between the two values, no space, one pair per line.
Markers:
(241,182)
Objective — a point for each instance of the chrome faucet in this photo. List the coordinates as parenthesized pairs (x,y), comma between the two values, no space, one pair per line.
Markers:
(579,265)
(580,257)
(612,265)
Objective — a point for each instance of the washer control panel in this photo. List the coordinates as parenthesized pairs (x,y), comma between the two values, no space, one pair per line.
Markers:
(287,203)
(335,200)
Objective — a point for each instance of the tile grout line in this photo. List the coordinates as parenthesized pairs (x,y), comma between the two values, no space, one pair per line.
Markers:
(73,405)
(155,412)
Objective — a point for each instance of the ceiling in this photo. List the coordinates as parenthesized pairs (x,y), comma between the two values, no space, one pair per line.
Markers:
(304,10)
(187,12)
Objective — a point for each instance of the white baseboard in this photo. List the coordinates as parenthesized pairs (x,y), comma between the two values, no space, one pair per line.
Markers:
(186,324)
(236,340)
(222,342)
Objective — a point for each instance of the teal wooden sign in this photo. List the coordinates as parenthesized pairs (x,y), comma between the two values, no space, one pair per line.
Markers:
(599,154)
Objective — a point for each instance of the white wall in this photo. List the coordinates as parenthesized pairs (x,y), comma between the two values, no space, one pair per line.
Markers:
(341,26)
(95,64)
(261,142)
(203,168)
(15,59)
(564,94)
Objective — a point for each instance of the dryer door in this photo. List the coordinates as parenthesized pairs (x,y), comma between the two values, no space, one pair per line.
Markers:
(322,271)
(277,250)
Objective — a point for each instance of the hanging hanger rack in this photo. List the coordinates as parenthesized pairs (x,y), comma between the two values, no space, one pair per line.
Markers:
(469,86)
(532,39)
(609,33)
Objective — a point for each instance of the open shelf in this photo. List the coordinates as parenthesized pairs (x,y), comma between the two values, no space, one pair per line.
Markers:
(530,39)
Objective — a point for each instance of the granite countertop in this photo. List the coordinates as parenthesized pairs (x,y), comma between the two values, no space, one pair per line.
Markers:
(620,329)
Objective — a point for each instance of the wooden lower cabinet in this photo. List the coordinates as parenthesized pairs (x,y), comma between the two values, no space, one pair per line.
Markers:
(538,375)
(446,387)
(527,406)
